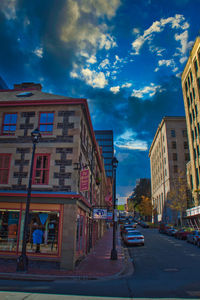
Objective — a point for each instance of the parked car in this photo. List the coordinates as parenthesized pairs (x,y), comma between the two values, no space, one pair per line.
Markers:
(193,237)
(163,227)
(171,231)
(123,228)
(181,234)
(133,238)
(144,224)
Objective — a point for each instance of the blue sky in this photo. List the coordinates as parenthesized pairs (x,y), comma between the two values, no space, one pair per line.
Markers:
(124,56)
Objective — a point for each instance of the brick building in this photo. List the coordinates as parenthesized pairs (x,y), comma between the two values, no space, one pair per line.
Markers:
(58,206)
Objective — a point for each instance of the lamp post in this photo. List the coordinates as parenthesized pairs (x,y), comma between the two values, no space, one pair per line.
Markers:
(22,261)
(114,251)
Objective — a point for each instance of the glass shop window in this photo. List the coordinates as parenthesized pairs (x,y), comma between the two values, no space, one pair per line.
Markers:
(9,220)
(43,229)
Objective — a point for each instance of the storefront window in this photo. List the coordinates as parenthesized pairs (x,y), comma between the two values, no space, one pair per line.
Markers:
(43,228)
(80,233)
(9,220)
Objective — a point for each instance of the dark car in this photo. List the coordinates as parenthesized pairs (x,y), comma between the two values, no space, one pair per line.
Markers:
(193,236)
(181,234)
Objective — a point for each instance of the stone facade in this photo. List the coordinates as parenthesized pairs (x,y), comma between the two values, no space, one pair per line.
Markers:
(168,154)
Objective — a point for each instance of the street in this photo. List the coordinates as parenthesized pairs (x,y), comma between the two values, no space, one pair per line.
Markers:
(163,268)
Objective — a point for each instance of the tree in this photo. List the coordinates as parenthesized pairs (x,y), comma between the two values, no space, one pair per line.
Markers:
(178,195)
(142,188)
(145,206)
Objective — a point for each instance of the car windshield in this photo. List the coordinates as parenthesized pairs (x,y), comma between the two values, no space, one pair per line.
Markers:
(133,233)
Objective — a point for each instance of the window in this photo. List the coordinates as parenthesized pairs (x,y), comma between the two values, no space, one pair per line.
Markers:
(9,229)
(187,157)
(9,123)
(196,65)
(41,169)
(173,133)
(175,169)
(46,122)
(191,77)
(186,86)
(4,168)
(185,145)
(173,145)
(193,92)
(184,133)
(175,156)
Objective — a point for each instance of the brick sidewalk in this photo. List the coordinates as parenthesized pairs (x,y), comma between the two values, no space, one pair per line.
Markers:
(97,264)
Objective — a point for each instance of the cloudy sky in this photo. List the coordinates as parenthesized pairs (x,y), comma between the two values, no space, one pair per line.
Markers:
(124,56)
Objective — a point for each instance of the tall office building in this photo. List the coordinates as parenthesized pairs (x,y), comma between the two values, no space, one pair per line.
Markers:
(191,94)
(105,141)
(168,154)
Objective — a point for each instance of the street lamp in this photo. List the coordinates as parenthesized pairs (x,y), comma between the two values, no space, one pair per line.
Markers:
(22,261)
(114,251)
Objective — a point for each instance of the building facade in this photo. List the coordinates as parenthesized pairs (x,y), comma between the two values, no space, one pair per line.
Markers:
(68,176)
(191,95)
(168,154)
(105,141)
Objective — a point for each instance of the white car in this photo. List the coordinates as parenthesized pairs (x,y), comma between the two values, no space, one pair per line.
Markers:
(133,237)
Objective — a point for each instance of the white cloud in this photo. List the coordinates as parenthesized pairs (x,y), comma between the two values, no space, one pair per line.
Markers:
(146,91)
(136,30)
(176,22)
(128,141)
(100,7)
(93,78)
(104,63)
(38,52)
(115,89)
(126,85)
(92,59)
(166,62)
(8,7)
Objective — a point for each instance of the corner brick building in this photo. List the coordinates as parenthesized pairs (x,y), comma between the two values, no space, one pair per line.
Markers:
(58,208)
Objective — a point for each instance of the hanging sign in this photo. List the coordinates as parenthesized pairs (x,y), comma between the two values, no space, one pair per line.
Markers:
(84,180)
(99,213)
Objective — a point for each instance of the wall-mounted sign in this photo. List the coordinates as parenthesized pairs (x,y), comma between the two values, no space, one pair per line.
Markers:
(99,214)
(84,180)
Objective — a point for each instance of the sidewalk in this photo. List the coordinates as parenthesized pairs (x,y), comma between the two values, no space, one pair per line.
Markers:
(97,264)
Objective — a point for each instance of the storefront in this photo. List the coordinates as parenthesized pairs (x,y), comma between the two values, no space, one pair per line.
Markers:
(44,229)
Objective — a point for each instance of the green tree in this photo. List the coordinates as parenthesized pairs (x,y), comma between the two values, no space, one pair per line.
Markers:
(178,196)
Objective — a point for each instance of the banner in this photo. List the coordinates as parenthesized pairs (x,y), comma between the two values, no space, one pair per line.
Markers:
(84,180)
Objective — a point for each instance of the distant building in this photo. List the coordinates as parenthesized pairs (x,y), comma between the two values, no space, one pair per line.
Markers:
(191,94)
(105,141)
(168,154)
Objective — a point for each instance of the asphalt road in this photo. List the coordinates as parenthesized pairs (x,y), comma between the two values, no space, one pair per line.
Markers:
(163,268)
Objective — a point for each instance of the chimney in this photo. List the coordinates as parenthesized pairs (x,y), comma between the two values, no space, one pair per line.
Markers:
(28,86)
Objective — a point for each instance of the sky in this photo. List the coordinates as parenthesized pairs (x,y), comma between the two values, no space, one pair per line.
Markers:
(125,56)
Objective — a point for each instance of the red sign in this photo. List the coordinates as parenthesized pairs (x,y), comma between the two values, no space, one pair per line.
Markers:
(84,180)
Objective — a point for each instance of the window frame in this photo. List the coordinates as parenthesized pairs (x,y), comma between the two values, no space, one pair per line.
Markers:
(46,124)
(8,155)
(41,169)
(9,124)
